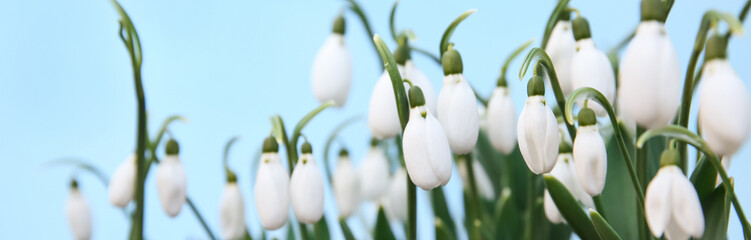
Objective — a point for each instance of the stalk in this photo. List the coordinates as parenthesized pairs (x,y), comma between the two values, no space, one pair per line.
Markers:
(473,192)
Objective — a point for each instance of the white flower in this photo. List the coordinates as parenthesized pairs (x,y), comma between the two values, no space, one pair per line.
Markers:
(78,213)
(590,67)
(561,48)
(649,77)
(537,130)
(170,184)
(383,118)
(122,185)
(565,172)
(590,156)
(724,108)
(484,185)
(346,186)
(426,149)
(395,203)
(672,205)
(232,210)
(271,188)
(501,121)
(332,69)
(306,188)
(457,106)
(374,173)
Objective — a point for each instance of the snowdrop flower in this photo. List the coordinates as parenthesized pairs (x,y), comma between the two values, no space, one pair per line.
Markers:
(671,204)
(724,103)
(537,130)
(306,188)
(374,173)
(561,48)
(565,172)
(232,209)
(590,155)
(78,213)
(395,203)
(383,118)
(457,106)
(122,185)
(426,148)
(484,185)
(271,188)
(649,74)
(332,68)
(501,118)
(590,67)
(170,180)
(346,186)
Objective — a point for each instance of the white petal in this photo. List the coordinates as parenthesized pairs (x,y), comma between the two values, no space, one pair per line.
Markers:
(383,119)
(531,134)
(724,108)
(122,185)
(79,215)
(374,173)
(346,187)
(446,96)
(232,210)
(416,153)
(460,118)
(332,71)
(590,158)
(551,211)
(561,48)
(590,67)
(397,197)
(306,190)
(419,78)
(170,184)
(552,141)
(502,121)
(484,185)
(674,232)
(657,201)
(686,209)
(438,149)
(271,192)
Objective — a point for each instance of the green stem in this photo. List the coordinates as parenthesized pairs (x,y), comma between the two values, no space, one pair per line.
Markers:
(473,190)
(200,219)
(355,7)
(435,58)
(303,231)
(227,147)
(531,198)
(330,141)
(600,206)
(641,169)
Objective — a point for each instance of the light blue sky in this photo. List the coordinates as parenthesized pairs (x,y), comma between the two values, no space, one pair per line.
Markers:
(66,89)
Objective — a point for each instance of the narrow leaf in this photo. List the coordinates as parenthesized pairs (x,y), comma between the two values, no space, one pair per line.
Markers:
(345,229)
(570,209)
(603,228)
(450,30)
(716,214)
(382,228)
(440,208)
(321,229)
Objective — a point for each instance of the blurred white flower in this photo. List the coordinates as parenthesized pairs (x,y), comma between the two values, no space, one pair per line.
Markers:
(306,188)
(78,214)
(346,186)
(272,188)
(122,185)
(395,203)
(724,108)
(232,210)
(170,181)
(426,149)
(561,48)
(590,67)
(457,106)
(590,155)
(332,68)
(374,173)
(501,121)
(672,205)
(537,130)
(484,185)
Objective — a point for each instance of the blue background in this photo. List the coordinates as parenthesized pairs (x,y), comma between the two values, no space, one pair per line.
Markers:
(66,90)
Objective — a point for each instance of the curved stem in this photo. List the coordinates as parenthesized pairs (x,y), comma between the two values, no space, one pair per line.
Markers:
(392,26)
(450,30)
(552,20)
(424,52)
(200,218)
(513,55)
(355,7)
(227,147)
(330,141)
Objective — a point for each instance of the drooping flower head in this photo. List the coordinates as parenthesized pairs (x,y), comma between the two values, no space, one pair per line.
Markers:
(501,118)
(590,67)
(537,130)
(590,155)
(331,74)
(306,188)
(374,173)
(272,187)
(565,172)
(457,106)
(170,180)
(346,185)
(232,209)
(123,183)
(426,148)
(561,48)
(78,213)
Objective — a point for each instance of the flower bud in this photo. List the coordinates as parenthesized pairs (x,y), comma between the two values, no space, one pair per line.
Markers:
(671,205)
(590,156)
(649,76)
(590,67)
(457,106)
(272,188)
(78,213)
(170,181)
(122,185)
(232,210)
(561,48)
(426,150)
(537,130)
(306,188)
(374,174)
(331,74)
(501,115)
(346,186)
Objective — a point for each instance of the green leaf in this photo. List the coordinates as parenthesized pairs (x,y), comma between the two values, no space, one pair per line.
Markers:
(442,232)
(450,30)
(321,229)
(704,177)
(513,55)
(397,84)
(618,194)
(570,209)
(290,231)
(489,159)
(304,121)
(345,229)
(440,209)
(603,228)
(277,129)
(716,214)
(382,228)
(508,221)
